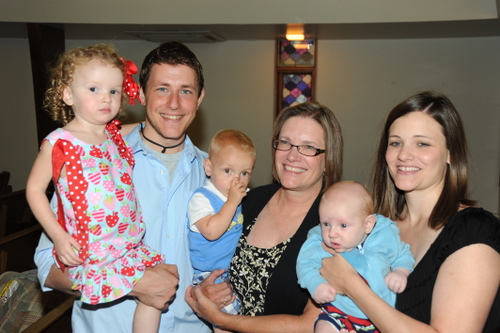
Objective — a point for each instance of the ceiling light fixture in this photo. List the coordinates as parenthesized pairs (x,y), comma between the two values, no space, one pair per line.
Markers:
(295,31)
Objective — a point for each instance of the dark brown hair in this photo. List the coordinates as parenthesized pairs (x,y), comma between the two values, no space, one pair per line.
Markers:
(172,53)
(390,201)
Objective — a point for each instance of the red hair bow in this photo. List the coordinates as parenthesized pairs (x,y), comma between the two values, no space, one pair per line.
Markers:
(129,85)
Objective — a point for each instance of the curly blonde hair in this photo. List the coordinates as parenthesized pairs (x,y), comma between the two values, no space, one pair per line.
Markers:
(62,75)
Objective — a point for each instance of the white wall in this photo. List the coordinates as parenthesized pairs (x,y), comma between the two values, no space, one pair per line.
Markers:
(360,80)
(18,136)
(239,78)
(239,83)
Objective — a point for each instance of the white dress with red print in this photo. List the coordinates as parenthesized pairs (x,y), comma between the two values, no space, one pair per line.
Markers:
(100,210)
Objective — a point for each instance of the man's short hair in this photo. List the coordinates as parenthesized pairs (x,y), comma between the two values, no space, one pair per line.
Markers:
(172,53)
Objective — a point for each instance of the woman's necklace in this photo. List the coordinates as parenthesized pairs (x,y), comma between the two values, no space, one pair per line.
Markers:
(164,148)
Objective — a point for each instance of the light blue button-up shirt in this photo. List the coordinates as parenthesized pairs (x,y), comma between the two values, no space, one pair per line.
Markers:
(164,205)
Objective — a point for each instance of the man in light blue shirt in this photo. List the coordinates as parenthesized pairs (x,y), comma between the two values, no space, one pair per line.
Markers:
(168,169)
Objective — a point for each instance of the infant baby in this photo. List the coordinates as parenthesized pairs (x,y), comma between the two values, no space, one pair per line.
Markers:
(369,242)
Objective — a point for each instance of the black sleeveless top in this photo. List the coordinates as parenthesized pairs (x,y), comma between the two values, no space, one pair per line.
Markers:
(467,227)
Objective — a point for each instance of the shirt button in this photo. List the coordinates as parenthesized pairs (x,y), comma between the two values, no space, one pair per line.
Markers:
(167,236)
(161,172)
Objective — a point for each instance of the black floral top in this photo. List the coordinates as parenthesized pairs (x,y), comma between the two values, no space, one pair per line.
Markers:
(251,269)
(265,280)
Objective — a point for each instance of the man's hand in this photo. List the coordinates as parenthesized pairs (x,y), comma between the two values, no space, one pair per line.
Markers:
(158,286)
(57,279)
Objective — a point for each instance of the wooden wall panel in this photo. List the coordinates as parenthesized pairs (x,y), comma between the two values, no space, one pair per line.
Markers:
(46,44)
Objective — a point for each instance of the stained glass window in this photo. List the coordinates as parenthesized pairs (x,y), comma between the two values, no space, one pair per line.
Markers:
(296,53)
(296,89)
(295,72)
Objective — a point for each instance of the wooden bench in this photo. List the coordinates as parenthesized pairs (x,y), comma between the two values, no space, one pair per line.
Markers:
(19,236)
(19,233)
(4,182)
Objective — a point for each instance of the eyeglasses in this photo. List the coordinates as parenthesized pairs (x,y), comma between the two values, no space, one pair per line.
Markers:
(306,150)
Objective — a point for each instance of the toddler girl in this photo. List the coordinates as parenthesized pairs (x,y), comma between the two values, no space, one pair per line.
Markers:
(95,221)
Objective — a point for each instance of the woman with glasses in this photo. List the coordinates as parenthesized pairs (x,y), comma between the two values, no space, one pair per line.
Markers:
(308,150)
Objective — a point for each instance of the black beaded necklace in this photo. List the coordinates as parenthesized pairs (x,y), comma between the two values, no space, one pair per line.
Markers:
(164,148)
